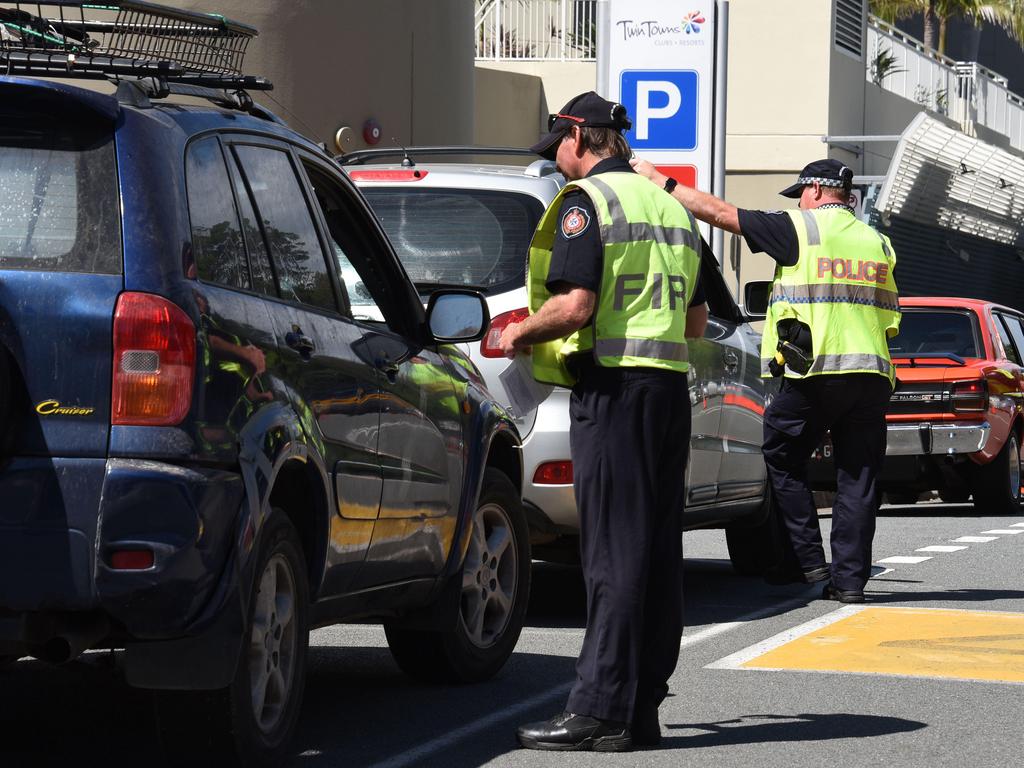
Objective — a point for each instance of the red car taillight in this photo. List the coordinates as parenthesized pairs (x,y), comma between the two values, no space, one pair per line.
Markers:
(154,362)
(969,397)
(489,344)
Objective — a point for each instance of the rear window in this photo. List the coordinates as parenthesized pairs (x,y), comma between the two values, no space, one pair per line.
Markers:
(924,332)
(474,238)
(59,207)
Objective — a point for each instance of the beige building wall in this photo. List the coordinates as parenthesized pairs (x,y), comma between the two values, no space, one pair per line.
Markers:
(408,64)
(556,83)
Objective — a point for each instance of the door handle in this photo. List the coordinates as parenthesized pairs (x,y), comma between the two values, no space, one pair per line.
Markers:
(300,342)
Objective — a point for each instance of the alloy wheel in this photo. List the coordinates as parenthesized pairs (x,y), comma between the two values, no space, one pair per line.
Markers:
(490,576)
(273,643)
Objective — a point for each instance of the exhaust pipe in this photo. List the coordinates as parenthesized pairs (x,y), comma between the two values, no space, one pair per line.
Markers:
(70,642)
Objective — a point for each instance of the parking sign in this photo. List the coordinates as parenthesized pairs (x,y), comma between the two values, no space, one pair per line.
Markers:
(658,59)
(663,106)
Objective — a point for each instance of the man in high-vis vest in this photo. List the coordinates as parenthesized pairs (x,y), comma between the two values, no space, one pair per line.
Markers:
(614,293)
(834,299)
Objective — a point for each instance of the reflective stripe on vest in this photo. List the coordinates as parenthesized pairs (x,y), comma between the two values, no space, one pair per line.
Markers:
(852,363)
(837,293)
(663,350)
(618,230)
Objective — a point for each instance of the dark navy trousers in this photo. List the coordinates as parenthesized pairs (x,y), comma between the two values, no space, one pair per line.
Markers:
(629,434)
(852,406)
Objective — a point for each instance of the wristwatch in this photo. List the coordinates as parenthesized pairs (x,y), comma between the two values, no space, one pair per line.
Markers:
(670,184)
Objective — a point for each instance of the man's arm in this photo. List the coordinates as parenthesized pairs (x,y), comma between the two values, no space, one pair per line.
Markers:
(696,321)
(705,207)
(559,316)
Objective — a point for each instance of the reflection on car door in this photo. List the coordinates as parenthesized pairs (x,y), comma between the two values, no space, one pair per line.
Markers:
(742,474)
(334,388)
(706,372)
(420,440)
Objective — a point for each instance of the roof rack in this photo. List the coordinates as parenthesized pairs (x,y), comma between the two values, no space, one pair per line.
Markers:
(124,38)
(361,156)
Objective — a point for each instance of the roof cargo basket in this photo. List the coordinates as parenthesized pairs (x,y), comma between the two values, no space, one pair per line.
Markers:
(124,38)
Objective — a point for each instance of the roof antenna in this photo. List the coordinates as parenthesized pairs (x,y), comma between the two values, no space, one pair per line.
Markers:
(407,162)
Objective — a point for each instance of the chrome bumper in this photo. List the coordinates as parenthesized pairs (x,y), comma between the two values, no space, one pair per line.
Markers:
(936,439)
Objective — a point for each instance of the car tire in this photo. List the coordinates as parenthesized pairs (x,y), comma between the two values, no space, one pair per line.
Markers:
(251,722)
(997,484)
(756,550)
(495,590)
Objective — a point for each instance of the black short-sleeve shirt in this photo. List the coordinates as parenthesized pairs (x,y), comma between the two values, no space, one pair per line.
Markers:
(770,232)
(577,254)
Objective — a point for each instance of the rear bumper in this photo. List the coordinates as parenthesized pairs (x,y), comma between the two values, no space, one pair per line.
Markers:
(549,441)
(936,439)
(61,519)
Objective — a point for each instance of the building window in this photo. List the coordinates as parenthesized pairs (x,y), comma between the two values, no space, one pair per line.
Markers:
(851,16)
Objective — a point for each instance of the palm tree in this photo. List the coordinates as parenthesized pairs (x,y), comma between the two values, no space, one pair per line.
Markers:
(1008,14)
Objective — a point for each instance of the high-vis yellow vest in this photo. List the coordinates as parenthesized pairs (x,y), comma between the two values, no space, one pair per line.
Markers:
(842,287)
(651,262)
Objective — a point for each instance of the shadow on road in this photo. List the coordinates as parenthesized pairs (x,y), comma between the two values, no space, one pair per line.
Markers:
(946,595)
(762,729)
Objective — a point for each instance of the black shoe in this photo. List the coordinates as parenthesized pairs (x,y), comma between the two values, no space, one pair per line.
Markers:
(796,576)
(645,728)
(576,732)
(842,595)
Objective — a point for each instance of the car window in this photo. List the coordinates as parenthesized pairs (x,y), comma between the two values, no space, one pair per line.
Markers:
(467,237)
(719,300)
(1013,323)
(936,331)
(259,259)
(217,245)
(1006,335)
(295,251)
(364,283)
(59,207)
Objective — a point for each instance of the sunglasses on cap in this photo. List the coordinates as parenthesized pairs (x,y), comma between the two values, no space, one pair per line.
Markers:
(555,116)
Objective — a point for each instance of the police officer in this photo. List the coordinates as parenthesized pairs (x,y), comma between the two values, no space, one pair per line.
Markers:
(613,286)
(834,303)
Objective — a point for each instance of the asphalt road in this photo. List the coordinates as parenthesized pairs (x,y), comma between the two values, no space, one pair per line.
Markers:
(361,711)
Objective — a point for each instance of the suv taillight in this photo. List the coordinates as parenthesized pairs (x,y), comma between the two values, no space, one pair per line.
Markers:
(489,344)
(969,397)
(154,361)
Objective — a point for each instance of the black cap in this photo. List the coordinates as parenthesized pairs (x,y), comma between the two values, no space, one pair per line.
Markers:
(828,173)
(588,110)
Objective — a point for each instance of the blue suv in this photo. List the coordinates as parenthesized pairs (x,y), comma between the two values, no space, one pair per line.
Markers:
(210,440)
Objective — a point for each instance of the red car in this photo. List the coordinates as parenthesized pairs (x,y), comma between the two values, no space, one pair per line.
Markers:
(954,420)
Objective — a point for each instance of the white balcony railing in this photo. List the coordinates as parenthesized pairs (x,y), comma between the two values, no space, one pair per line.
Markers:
(965,91)
(536,30)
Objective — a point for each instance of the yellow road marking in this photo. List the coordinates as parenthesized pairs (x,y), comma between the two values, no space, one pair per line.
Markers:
(970,645)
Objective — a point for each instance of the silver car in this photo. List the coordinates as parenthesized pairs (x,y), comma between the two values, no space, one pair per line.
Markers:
(469,224)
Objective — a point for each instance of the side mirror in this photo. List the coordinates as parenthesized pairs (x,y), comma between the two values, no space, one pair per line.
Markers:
(455,315)
(756,294)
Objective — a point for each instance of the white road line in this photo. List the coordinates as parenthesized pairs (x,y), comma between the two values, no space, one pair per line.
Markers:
(942,548)
(417,754)
(717,629)
(740,658)
(905,559)
(1006,531)
(1017,525)
(882,573)
(974,539)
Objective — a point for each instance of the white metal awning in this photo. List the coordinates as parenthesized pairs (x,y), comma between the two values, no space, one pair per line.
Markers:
(943,178)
